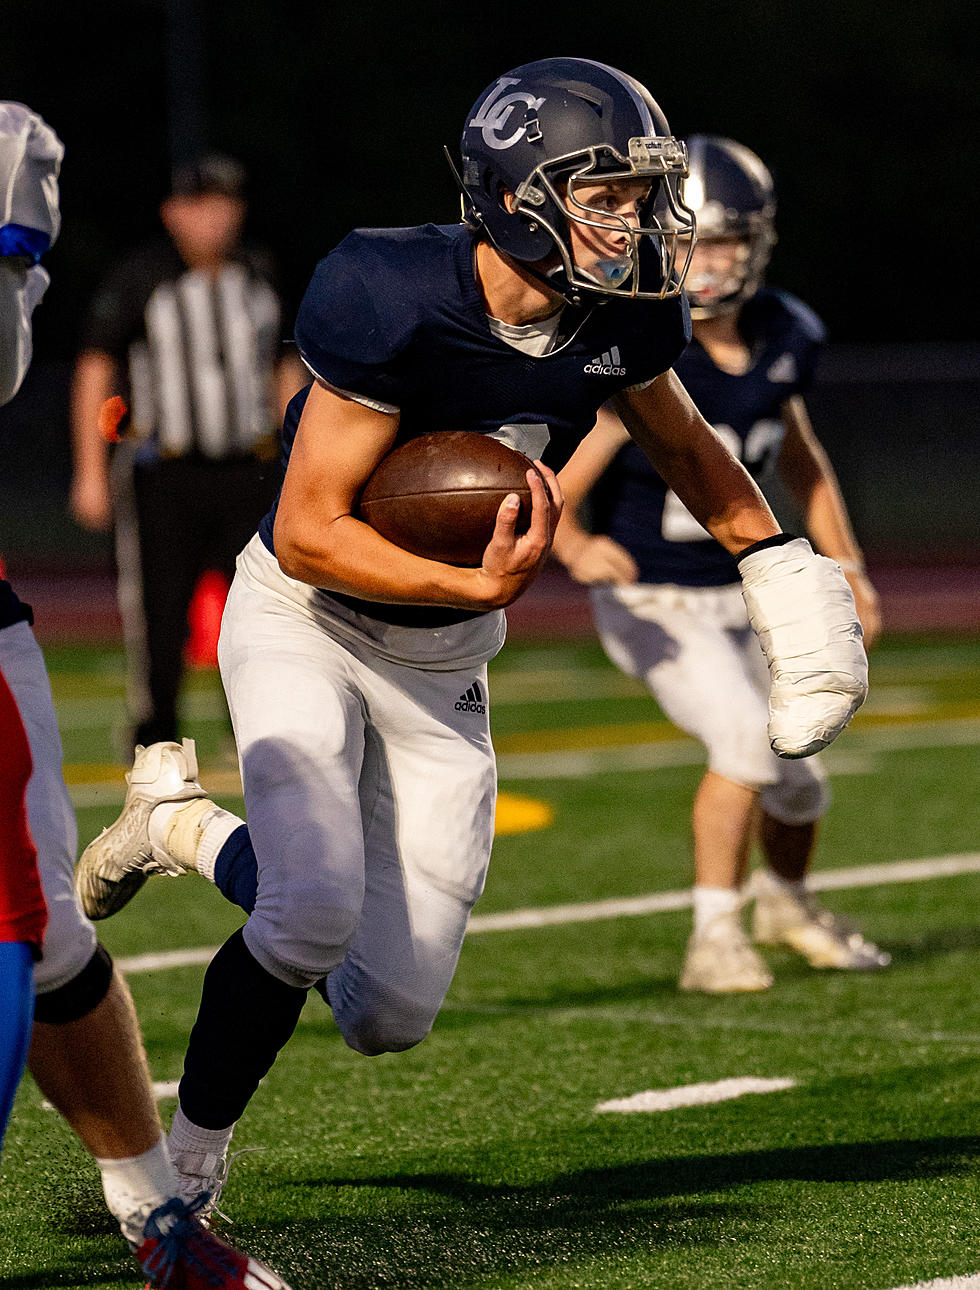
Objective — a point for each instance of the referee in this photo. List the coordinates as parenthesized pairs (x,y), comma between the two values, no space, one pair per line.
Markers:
(187,328)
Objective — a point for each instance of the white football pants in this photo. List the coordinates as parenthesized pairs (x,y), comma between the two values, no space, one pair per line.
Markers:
(69,941)
(370,785)
(702,662)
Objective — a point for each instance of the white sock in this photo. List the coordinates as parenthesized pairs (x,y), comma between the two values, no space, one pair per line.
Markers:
(711,902)
(137,1185)
(192,832)
(185,1135)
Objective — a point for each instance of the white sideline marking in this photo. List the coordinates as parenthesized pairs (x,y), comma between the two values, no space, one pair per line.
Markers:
(168,959)
(161,1088)
(669,1099)
(870,875)
(971,1282)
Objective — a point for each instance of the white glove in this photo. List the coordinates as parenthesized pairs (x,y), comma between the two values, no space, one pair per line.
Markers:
(803,612)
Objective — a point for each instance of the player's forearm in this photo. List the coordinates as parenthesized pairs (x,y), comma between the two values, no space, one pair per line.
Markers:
(346,555)
(570,536)
(829,527)
(92,384)
(810,477)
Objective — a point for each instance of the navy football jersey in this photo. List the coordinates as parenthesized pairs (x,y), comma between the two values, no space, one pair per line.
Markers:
(632,503)
(396,316)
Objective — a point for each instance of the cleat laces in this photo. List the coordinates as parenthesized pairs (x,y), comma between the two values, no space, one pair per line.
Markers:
(178,1236)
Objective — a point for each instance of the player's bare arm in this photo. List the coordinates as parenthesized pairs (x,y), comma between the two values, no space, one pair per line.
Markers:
(591,558)
(94,380)
(320,540)
(688,454)
(811,479)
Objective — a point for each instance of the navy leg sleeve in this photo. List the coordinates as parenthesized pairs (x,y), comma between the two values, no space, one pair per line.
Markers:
(236,870)
(246,1016)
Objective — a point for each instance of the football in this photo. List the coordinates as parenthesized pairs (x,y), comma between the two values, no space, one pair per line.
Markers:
(438,495)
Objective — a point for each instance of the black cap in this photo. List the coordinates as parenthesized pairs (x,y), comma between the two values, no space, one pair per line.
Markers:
(212,173)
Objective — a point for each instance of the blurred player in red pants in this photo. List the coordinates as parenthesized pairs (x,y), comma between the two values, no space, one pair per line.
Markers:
(86,1052)
(23,914)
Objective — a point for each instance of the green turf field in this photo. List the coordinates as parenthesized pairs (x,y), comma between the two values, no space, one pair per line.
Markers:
(479,1158)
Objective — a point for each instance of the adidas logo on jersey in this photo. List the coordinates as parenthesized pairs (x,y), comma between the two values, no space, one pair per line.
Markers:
(783,371)
(608,364)
(472,701)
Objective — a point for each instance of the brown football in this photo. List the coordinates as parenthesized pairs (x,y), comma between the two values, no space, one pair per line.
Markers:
(438,495)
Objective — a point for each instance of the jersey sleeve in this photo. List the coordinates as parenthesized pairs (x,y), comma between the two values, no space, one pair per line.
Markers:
(354,323)
(115,316)
(809,336)
(668,336)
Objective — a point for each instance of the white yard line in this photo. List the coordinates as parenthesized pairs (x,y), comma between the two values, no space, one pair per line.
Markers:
(970,1282)
(872,875)
(161,1089)
(671,1099)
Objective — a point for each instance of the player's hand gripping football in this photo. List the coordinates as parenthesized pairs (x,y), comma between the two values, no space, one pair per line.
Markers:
(512,561)
(803,613)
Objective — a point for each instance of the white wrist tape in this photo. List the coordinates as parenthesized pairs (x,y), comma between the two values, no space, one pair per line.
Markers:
(803,613)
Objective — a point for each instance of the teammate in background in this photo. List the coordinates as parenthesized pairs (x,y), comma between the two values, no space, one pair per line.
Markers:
(86,1053)
(666,596)
(369,790)
(187,327)
(30,154)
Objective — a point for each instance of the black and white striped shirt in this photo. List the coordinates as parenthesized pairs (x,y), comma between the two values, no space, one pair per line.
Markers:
(198,351)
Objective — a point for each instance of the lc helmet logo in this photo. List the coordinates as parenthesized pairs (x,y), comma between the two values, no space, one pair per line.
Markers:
(494,113)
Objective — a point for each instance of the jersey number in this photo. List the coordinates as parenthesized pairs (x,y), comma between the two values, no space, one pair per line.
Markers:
(678,524)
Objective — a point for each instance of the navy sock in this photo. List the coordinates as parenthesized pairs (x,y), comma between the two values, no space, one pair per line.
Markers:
(245,1017)
(236,871)
(16,1012)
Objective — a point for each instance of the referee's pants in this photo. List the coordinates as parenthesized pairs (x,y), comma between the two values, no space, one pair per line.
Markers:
(175,519)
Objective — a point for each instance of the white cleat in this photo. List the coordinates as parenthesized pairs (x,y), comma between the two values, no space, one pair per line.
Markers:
(720,960)
(114,867)
(201,1178)
(824,939)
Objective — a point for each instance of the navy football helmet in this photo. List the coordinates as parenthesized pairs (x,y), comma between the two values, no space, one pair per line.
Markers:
(731,192)
(548,127)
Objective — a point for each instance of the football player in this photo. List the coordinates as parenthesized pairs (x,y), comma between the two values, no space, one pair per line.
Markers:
(86,1052)
(369,788)
(666,596)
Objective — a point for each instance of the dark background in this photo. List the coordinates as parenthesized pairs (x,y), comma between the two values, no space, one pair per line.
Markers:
(866,113)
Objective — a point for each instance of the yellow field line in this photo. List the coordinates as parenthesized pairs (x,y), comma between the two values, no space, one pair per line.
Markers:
(573,738)
(565,739)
